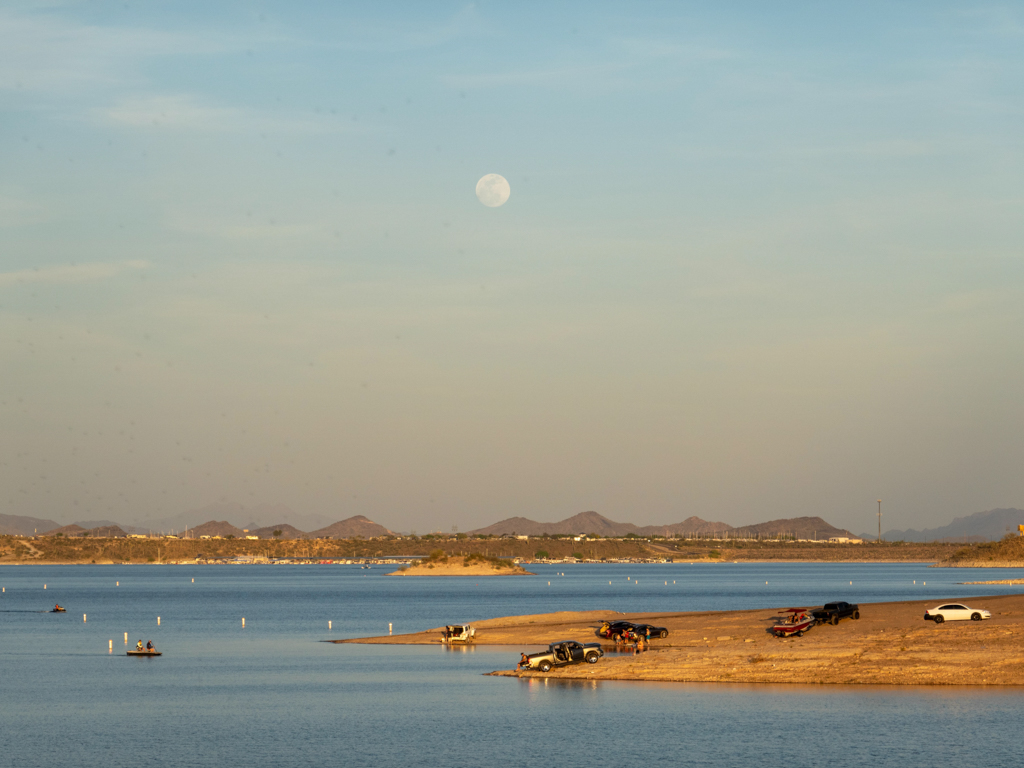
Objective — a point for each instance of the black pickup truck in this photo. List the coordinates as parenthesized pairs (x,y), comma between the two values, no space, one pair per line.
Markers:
(831,613)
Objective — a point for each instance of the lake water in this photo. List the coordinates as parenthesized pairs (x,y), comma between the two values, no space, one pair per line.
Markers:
(272,694)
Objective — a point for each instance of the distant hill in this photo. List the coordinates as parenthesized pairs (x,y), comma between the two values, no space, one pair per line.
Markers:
(238,515)
(67,530)
(798,527)
(17,525)
(215,528)
(287,532)
(592,522)
(350,528)
(691,526)
(981,526)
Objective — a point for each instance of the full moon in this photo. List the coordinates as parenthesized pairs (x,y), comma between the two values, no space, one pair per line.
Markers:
(493,190)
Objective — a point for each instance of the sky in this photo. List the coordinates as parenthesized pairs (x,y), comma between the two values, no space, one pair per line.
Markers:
(759,260)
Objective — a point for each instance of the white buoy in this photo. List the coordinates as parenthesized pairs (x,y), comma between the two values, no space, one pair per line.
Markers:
(193,581)
(83,618)
(158,621)
(925,583)
(44,586)
(243,622)
(328,625)
(549,583)
(110,646)
(673,581)
(126,638)
(117,583)
(389,627)
(851,583)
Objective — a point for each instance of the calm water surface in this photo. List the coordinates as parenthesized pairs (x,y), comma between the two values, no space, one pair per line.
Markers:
(272,694)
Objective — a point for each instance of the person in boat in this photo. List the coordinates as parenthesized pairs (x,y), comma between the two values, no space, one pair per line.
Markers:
(57,608)
(149,645)
(138,646)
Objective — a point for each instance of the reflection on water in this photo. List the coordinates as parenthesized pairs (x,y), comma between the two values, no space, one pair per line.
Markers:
(459,647)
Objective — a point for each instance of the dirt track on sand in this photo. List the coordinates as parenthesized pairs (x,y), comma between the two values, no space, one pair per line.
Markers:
(891,644)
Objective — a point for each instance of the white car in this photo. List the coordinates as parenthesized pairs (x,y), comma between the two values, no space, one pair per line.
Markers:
(955,612)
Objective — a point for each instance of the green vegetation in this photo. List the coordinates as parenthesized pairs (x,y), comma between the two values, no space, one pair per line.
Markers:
(541,554)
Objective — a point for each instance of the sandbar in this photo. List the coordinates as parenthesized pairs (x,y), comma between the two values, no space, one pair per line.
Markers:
(460,566)
(891,644)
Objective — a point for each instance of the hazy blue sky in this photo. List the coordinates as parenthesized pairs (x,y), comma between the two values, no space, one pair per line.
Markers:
(760,260)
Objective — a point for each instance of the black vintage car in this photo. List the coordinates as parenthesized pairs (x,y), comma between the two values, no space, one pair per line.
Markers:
(831,613)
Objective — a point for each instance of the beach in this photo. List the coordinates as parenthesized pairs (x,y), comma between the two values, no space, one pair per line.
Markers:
(890,644)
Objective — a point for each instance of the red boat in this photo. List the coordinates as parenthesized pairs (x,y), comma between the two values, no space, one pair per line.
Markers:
(798,621)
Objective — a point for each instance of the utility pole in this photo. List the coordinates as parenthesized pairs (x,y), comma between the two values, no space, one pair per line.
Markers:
(879,520)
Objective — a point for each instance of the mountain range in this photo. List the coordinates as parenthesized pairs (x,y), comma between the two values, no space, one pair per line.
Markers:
(981,526)
(238,520)
(592,522)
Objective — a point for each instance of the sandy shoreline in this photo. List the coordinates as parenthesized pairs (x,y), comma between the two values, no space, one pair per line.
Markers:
(891,645)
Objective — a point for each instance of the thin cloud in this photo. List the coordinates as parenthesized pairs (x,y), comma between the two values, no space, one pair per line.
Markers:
(45,52)
(184,112)
(72,273)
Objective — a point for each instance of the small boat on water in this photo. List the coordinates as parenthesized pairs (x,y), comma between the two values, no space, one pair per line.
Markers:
(58,609)
(144,652)
(796,623)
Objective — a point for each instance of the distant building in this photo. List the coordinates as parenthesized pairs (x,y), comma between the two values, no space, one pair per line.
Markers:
(844,540)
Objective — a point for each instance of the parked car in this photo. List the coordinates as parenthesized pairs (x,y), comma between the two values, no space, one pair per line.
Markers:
(563,653)
(955,612)
(831,613)
(458,633)
(612,628)
(641,629)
